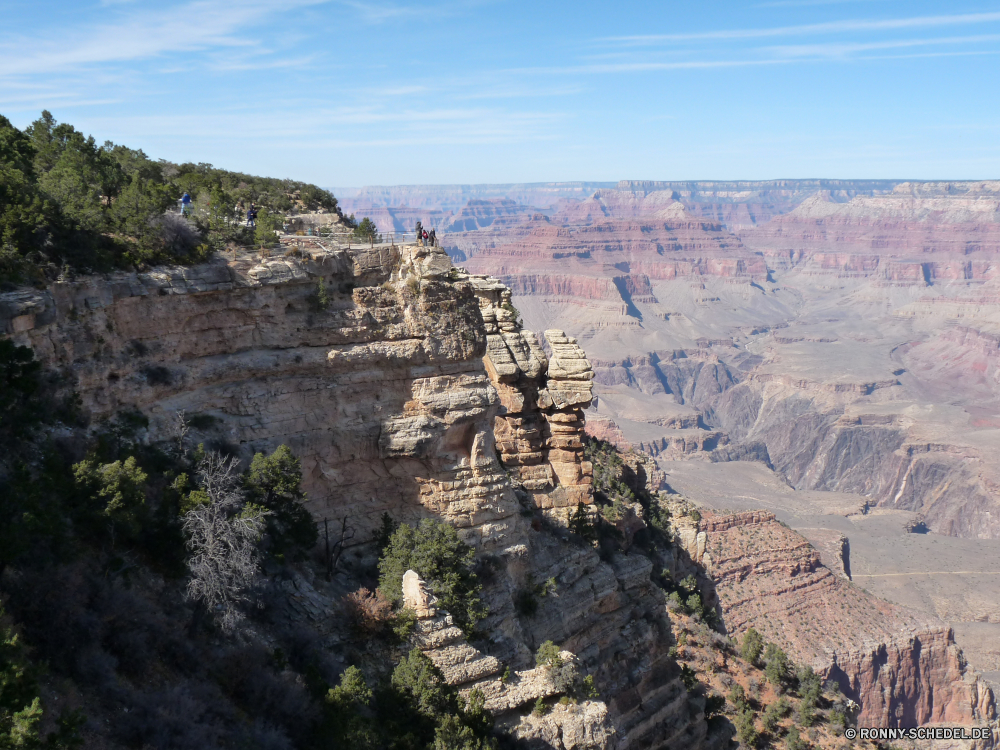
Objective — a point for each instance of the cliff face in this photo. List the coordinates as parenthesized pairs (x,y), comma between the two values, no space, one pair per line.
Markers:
(903,669)
(385,370)
(822,302)
(406,386)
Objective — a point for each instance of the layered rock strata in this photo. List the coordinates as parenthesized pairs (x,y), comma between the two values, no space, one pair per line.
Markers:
(540,424)
(903,669)
(377,368)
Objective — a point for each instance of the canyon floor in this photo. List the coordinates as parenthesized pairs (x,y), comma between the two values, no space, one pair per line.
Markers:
(829,351)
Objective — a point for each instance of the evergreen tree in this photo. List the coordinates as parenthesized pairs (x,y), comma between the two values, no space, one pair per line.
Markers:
(274,483)
(440,558)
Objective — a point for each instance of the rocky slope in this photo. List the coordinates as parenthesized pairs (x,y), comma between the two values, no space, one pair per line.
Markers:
(900,667)
(379,384)
(409,387)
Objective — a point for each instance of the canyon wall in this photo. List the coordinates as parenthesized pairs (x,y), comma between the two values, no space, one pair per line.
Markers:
(407,386)
(903,669)
(384,370)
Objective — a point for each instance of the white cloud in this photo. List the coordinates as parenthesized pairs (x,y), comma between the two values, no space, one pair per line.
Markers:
(830,27)
(138,35)
(848,48)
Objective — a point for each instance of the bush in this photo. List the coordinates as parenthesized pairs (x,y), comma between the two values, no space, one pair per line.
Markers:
(746,729)
(689,677)
(738,697)
(115,491)
(777,666)
(794,741)
(837,721)
(715,704)
(753,645)
(368,613)
(810,685)
(274,483)
(773,714)
(443,561)
(367,231)
(548,655)
(66,202)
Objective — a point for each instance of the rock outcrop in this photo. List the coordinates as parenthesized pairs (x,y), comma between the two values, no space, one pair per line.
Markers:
(901,668)
(384,370)
(539,427)
(407,386)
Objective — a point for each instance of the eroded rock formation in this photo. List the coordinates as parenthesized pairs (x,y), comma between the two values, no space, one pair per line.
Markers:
(903,669)
(384,372)
(407,386)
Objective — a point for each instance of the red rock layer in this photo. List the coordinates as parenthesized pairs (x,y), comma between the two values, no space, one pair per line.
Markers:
(904,670)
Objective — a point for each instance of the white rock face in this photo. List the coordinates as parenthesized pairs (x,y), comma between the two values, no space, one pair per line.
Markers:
(397,394)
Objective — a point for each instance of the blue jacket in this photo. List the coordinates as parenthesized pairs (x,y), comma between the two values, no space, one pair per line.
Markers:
(185,198)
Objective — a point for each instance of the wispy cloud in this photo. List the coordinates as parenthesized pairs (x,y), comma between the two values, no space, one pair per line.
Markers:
(381,12)
(301,125)
(830,27)
(843,49)
(142,34)
(810,3)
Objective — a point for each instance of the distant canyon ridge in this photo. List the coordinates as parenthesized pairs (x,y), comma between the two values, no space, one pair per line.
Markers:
(826,349)
(846,333)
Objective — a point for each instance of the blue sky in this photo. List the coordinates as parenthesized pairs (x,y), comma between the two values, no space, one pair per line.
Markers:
(352,92)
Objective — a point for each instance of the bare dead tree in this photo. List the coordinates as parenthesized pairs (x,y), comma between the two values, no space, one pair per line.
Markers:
(335,550)
(181,429)
(222,537)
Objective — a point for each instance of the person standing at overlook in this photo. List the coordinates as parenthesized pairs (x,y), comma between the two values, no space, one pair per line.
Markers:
(420,233)
(433,237)
(185,203)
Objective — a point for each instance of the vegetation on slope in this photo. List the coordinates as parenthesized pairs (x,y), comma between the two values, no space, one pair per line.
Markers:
(154,635)
(67,203)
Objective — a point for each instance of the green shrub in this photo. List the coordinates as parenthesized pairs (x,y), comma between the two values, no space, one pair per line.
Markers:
(746,729)
(66,202)
(443,561)
(794,741)
(689,677)
(274,482)
(810,684)
(738,696)
(774,713)
(548,655)
(367,231)
(715,704)
(580,523)
(753,645)
(540,708)
(837,720)
(115,490)
(20,705)
(777,666)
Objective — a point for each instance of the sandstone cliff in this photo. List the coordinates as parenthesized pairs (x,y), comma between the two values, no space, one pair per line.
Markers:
(407,386)
(903,669)
(384,370)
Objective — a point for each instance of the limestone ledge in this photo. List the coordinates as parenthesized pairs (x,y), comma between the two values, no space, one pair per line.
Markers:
(396,394)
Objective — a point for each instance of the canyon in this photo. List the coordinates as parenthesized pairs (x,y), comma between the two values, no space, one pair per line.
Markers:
(411,387)
(822,349)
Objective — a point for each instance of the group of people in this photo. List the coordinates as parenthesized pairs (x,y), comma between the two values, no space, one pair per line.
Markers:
(424,237)
(251,212)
